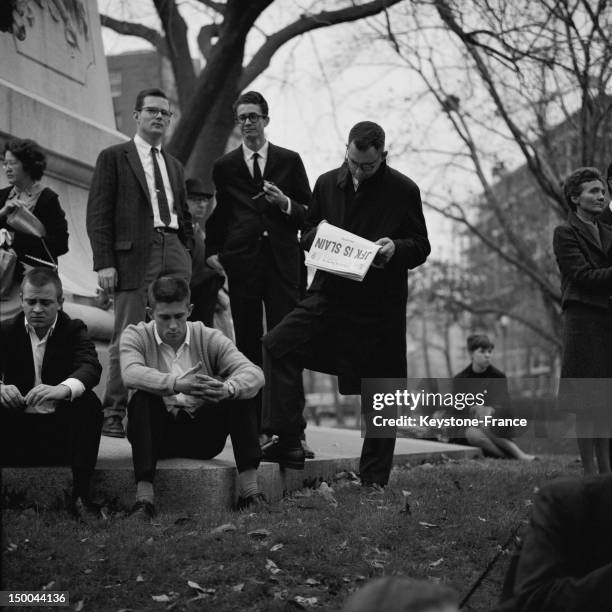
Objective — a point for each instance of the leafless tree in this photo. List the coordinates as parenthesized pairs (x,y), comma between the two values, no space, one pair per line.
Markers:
(206,98)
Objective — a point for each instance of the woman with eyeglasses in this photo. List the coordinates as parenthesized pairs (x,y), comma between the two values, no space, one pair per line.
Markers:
(24,165)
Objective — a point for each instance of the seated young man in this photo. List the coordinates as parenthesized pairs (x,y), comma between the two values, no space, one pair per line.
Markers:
(192,388)
(480,374)
(49,414)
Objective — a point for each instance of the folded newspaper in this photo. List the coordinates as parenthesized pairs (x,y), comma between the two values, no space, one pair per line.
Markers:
(339,252)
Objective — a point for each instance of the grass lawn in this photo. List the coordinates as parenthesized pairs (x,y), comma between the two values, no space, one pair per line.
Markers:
(308,551)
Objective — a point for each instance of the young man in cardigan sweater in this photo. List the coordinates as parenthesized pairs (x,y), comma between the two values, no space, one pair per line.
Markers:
(191,389)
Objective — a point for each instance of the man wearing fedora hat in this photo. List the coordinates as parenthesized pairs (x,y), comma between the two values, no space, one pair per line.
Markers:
(205,281)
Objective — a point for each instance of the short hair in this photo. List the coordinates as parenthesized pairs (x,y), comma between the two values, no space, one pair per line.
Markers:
(30,154)
(366,134)
(168,289)
(143,93)
(251,97)
(572,185)
(39,277)
(609,173)
(479,341)
(401,594)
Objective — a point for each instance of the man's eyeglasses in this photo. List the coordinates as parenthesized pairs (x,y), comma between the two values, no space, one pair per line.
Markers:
(252,117)
(154,111)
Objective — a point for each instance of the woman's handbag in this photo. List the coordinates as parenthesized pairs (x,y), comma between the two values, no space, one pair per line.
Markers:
(8,264)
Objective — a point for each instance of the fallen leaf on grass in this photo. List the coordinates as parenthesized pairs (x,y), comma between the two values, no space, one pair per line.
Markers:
(49,586)
(224,528)
(428,525)
(181,520)
(238,588)
(484,520)
(163,598)
(305,601)
(139,578)
(87,571)
(259,534)
(343,545)
(436,563)
(149,540)
(376,564)
(272,567)
(312,581)
(327,493)
(12,547)
(79,605)
(276,547)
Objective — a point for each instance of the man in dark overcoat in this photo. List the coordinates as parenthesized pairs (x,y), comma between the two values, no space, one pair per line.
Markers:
(352,329)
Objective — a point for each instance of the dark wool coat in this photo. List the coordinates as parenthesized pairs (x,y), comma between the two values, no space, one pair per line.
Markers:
(586,286)
(49,212)
(365,331)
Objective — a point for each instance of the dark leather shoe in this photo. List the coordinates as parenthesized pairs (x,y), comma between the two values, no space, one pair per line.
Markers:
(84,510)
(252,503)
(143,510)
(112,426)
(291,457)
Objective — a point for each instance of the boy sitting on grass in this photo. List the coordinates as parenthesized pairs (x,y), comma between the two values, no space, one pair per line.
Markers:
(479,376)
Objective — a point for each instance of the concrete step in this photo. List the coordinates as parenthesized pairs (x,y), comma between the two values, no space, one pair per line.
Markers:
(186,485)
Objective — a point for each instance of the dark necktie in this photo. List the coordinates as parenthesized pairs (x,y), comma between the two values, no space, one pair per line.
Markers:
(257,171)
(162,200)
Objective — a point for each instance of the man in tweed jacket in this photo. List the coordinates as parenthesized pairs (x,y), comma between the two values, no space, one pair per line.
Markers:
(192,388)
(140,228)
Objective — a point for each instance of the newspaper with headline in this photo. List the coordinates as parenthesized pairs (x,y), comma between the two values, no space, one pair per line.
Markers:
(339,252)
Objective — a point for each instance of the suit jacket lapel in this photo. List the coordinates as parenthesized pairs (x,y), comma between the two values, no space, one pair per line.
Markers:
(271,162)
(23,353)
(239,166)
(605,233)
(584,233)
(136,165)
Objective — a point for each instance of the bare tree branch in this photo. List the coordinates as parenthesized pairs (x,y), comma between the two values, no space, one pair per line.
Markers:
(129,28)
(306,23)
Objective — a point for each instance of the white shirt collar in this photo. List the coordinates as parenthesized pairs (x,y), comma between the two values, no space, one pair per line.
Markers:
(31,330)
(143,146)
(263,151)
(160,341)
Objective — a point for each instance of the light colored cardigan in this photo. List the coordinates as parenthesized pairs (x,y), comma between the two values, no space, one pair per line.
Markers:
(142,367)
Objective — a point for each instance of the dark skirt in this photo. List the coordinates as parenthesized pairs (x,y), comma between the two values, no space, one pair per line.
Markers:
(586,370)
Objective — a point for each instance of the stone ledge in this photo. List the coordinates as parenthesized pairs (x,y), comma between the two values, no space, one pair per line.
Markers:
(186,485)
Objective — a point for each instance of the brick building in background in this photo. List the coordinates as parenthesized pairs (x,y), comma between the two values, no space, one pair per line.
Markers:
(131,72)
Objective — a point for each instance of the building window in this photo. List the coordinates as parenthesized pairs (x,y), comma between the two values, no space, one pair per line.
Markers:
(115,83)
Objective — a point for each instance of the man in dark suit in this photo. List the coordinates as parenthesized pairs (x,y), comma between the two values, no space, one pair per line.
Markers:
(49,414)
(353,329)
(262,193)
(139,227)
(566,558)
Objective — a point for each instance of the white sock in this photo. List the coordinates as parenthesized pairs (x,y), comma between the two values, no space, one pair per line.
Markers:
(247,483)
(144,491)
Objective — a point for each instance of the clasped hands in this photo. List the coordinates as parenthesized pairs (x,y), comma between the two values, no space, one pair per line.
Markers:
(203,386)
(11,397)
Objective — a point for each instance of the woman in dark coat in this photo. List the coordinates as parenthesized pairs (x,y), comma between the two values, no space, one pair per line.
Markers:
(583,248)
(24,165)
